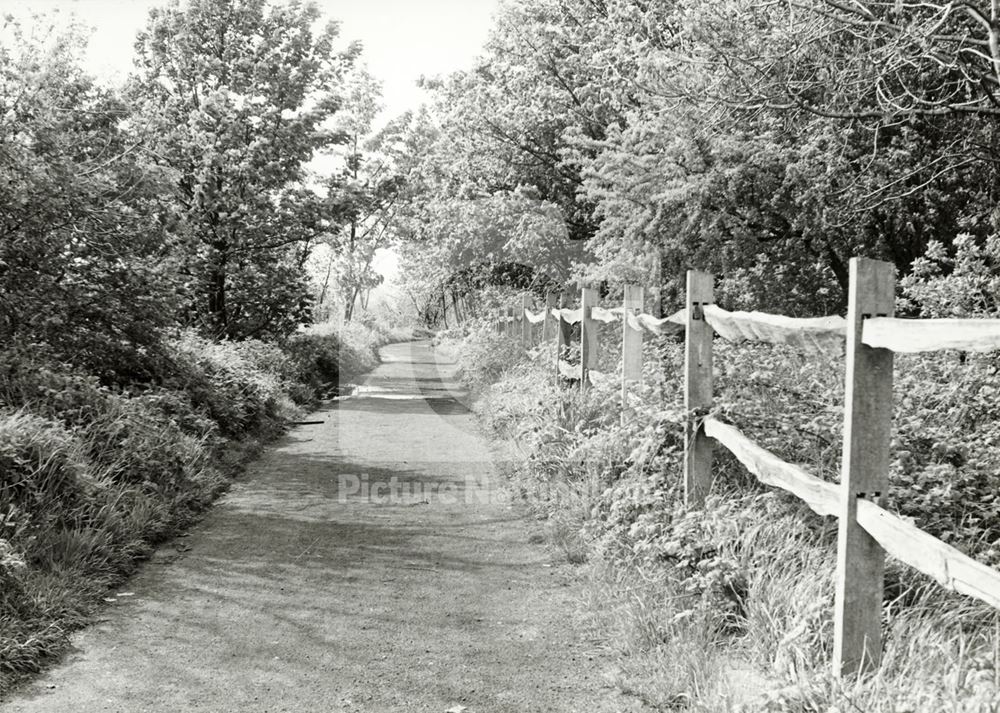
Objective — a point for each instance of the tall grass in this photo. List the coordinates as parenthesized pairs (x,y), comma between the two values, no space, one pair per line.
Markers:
(730,607)
(93,476)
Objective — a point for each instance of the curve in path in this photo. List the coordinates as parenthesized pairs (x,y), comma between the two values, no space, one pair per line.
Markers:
(366,564)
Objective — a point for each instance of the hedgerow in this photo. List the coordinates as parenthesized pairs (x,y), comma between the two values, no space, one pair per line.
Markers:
(93,474)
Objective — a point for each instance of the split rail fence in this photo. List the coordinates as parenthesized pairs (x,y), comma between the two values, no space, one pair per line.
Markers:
(870,334)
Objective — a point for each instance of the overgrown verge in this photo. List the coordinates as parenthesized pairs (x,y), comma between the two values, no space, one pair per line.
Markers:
(324,351)
(730,607)
(93,474)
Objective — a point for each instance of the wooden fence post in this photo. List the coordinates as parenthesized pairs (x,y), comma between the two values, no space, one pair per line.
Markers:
(697,388)
(631,341)
(526,326)
(588,335)
(864,472)
(656,280)
(563,335)
(549,326)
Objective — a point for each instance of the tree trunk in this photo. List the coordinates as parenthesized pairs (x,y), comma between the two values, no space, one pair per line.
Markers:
(218,308)
(349,307)
(838,267)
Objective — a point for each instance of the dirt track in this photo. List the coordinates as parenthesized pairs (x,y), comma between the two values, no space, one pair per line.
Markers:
(302,592)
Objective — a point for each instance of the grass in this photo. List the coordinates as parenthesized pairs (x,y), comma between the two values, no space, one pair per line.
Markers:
(93,477)
(730,607)
(666,654)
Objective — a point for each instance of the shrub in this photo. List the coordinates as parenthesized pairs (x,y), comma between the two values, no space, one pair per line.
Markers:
(966,284)
(133,441)
(315,361)
(485,356)
(50,389)
(230,381)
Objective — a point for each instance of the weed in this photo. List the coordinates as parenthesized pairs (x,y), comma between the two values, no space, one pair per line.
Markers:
(730,607)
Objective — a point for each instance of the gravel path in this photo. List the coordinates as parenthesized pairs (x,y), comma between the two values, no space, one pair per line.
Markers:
(370,563)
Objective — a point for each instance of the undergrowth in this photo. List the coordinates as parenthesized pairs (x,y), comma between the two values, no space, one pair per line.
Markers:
(93,475)
(730,607)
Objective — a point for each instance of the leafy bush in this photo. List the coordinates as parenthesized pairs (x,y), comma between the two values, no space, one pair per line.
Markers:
(316,361)
(485,355)
(966,284)
(45,477)
(50,389)
(233,381)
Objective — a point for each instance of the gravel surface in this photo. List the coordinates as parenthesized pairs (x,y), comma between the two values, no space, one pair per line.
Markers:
(305,590)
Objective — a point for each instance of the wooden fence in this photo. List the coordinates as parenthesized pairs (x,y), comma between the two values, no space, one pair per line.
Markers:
(868,337)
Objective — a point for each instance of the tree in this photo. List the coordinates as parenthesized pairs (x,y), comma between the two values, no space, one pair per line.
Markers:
(718,166)
(366,189)
(542,79)
(84,273)
(766,142)
(233,97)
(882,109)
(882,60)
(456,238)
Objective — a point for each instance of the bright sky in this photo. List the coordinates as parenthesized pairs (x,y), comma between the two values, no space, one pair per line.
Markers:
(403,39)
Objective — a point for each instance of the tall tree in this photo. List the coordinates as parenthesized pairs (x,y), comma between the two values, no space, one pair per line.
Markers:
(233,96)
(766,142)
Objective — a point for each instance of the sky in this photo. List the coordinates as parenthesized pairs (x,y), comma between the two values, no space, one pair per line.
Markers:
(402,39)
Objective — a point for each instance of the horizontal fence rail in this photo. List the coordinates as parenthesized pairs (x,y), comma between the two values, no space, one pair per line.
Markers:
(867,337)
(824,335)
(929,335)
(821,496)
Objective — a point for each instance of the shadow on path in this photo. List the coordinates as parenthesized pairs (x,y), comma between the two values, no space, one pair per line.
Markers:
(304,592)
